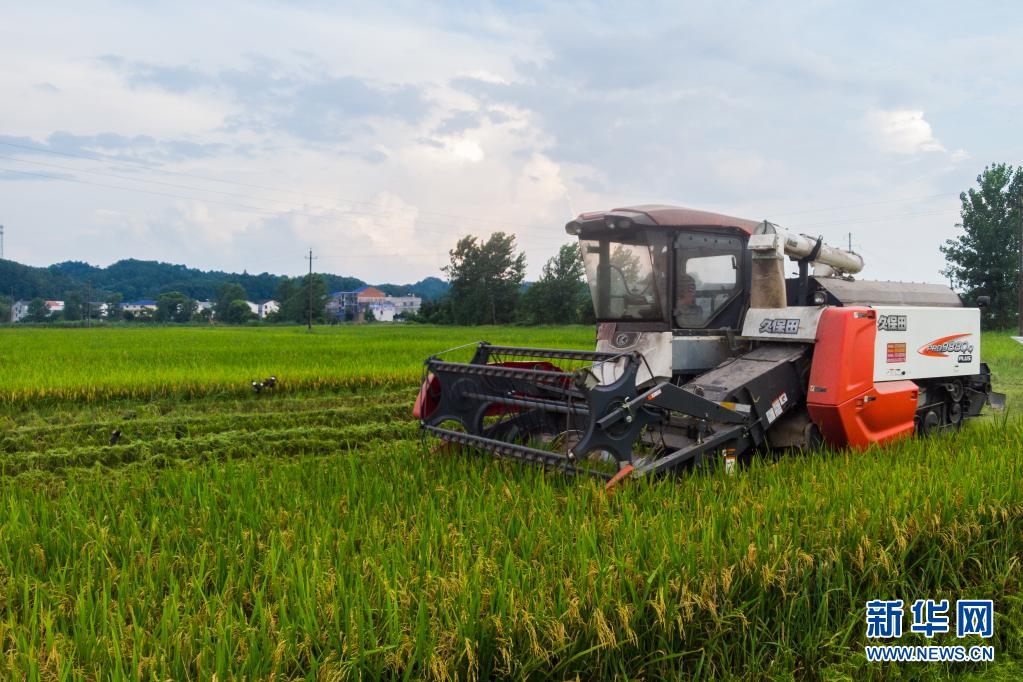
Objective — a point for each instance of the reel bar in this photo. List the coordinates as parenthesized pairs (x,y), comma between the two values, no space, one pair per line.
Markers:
(540,403)
(495,371)
(554,354)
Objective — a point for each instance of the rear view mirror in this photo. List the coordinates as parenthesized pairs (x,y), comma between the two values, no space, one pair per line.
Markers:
(983,301)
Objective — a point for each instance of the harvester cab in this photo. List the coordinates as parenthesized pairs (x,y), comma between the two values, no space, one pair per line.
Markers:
(706,351)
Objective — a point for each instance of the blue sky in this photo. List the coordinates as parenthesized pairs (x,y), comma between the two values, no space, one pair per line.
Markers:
(238,135)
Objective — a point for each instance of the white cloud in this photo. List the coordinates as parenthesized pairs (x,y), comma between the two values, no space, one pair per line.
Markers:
(959,155)
(901,131)
(369,132)
(466,149)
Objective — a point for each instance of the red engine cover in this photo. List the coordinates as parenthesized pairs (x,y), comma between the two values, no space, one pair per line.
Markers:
(843,400)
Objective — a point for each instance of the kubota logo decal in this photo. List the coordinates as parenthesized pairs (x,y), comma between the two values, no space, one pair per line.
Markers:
(947,345)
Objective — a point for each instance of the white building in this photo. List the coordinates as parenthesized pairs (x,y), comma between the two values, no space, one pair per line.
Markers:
(268,308)
(142,308)
(406,305)
(19,311)
(261,310)
(383,312)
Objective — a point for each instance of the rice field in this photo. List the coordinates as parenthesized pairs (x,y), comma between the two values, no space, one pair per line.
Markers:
(305,533)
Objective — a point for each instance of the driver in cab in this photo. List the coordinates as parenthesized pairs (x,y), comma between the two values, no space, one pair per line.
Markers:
(687,312)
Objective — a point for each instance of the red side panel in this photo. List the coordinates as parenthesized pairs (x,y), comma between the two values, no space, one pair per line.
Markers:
(843,400)
(426,401)
(429,392)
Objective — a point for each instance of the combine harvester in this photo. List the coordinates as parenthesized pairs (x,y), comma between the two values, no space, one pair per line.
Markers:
(706,352)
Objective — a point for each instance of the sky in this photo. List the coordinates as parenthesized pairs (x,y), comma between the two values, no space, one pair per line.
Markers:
(237,136)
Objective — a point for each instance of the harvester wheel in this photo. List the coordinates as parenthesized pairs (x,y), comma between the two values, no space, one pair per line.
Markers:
(930,421)
(955,415)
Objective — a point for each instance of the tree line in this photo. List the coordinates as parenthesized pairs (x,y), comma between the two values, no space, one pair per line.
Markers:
(299,300)
(985,259)
(137,279)
(486,278)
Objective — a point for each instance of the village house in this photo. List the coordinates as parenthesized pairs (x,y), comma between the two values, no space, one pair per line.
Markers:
(19,311)
(351,306)
(406,305)
(141,308)
(261,310)
(268,308)
(382,312)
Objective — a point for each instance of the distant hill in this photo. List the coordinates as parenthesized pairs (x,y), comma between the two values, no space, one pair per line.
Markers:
(135,279)
(427,289)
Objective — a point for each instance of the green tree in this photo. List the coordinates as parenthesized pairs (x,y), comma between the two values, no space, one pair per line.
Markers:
(174,306)
(485,279)
(37,311)
(73,306)
(433,312)
(984,260)
(317,298)
(223,306)
(6,303)
(237,312)
(202,314)
(114,302)
(555,298)
(291,305)
(292,295)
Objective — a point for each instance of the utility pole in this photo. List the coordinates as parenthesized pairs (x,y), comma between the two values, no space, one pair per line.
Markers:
(88,303)
(1019,281)
(850,242)
(309,290)
(1,242)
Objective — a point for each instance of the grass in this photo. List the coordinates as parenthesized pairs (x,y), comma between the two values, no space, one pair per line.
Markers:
(306,533)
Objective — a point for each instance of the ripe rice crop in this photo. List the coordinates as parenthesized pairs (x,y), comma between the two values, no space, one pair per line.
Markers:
(306,533)
(86,365)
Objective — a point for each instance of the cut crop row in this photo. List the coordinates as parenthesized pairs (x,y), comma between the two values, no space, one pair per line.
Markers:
(213,447)
(130,431)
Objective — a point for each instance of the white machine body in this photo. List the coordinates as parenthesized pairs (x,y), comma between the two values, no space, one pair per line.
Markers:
(926,343)
(912,342)
(794,323)
(655,347)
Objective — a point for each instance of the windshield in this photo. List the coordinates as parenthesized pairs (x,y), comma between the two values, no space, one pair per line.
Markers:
(627,275)
(707,278)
